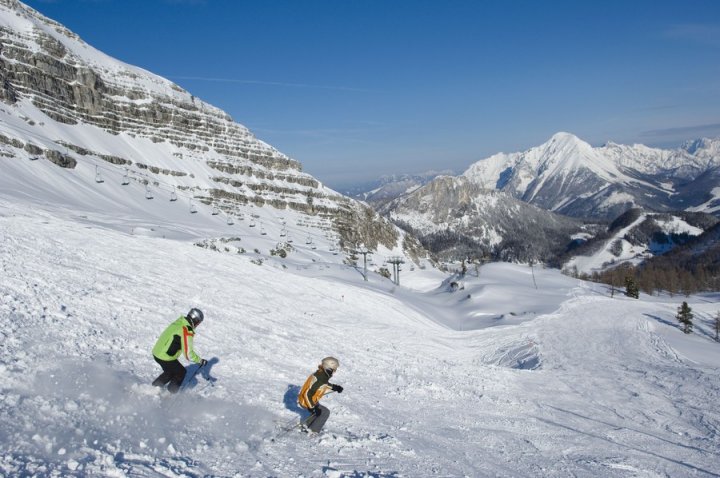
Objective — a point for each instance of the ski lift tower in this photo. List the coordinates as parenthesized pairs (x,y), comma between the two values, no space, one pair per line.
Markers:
(364,251)
(396,261)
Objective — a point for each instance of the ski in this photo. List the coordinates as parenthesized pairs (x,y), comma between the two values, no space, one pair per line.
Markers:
(294,424)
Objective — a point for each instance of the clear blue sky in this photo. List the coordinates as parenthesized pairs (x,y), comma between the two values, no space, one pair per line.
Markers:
(358,88)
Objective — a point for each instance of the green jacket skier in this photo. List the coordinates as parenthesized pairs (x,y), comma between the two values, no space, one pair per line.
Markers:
(176,340)
(317,385)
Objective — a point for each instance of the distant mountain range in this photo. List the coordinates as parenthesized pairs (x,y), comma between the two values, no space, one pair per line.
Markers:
(389,187)
(521,205)
(568,176)
(455,218)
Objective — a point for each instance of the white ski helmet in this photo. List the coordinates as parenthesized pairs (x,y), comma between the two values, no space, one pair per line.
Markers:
(330,363)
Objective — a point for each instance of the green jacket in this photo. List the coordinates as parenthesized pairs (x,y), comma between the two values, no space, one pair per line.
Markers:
(176,339)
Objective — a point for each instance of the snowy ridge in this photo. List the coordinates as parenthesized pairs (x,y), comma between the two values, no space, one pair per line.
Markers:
(26,21)
(646,236)
(98,135)
(519,372)
(391,187)
(602,258)
(712,205)
(569,176)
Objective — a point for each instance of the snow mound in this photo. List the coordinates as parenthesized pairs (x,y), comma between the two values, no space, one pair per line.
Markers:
(523,355)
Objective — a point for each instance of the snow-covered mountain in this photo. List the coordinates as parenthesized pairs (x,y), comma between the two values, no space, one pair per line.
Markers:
(503,205)
(638,236)
(389,187)
(98,133)
(456,218)
(569,176)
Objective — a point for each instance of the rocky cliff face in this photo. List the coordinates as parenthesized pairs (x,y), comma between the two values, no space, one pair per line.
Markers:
(68,103)
(457,219)
(72,83)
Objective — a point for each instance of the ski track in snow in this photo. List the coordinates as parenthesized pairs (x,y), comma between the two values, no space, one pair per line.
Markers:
(596,387)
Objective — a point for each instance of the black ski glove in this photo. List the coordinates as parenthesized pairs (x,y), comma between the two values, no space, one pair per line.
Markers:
(337,388)
(203,362)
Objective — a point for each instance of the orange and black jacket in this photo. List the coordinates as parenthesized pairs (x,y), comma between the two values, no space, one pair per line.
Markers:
(314,388)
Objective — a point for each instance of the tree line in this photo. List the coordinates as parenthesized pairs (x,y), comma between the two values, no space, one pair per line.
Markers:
(687,269)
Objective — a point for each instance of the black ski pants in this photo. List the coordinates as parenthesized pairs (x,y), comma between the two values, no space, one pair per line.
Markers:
(173,373)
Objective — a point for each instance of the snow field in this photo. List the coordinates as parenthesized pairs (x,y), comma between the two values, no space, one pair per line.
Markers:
(576,383)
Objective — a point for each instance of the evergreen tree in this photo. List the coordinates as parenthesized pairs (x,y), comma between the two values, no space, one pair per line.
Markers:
(685,316)
(631,288)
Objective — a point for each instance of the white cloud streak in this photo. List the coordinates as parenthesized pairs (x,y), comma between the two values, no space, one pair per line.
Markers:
(267,83)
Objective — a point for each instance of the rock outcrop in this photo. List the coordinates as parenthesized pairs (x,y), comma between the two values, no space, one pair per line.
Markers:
(162,133)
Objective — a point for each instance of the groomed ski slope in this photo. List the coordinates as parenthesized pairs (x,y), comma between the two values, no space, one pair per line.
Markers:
(573,383)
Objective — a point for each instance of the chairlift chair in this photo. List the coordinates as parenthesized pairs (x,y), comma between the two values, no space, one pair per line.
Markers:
(173,196)
(98,177)
(148,192)
(230,221)
(215,211)
(193,209)
(126,178)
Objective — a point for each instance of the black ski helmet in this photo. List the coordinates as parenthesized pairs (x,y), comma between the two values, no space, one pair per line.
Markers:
(195,316)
